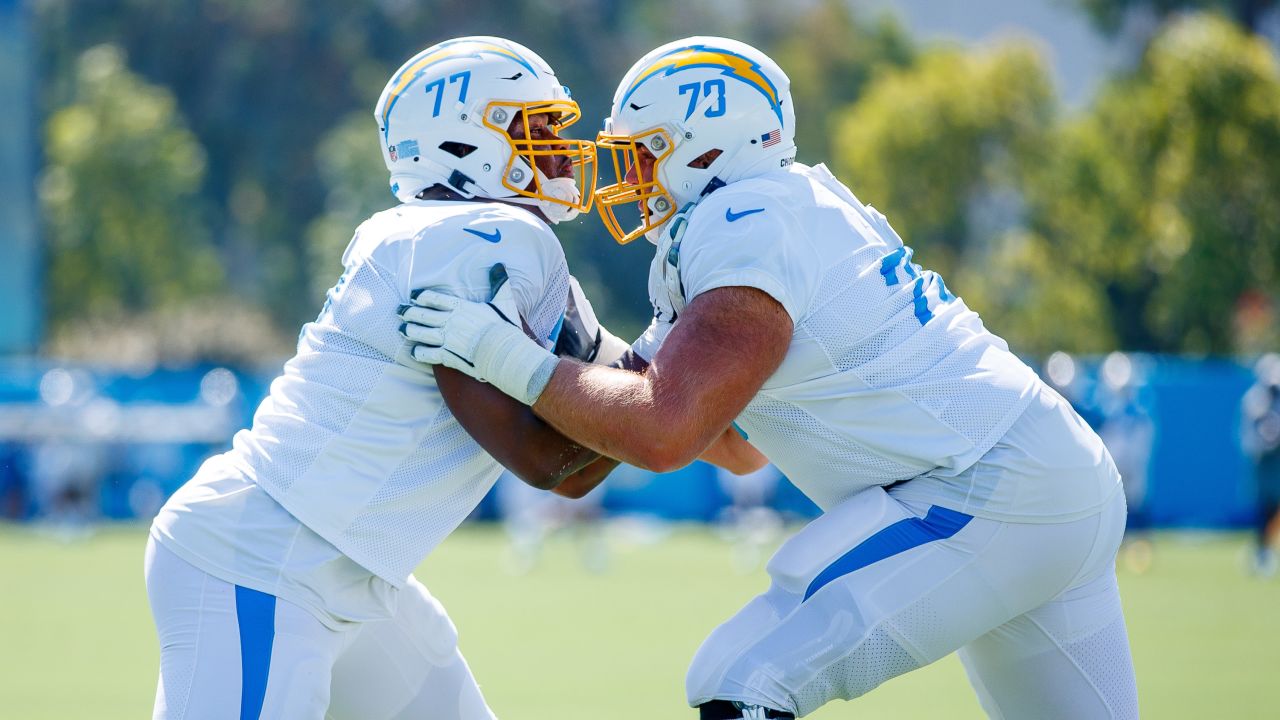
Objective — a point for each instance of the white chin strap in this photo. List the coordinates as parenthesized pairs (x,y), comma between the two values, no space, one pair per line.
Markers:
(565,189)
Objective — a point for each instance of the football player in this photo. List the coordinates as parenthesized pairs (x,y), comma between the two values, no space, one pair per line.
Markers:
(280,575)
(966,505)
(1260,435)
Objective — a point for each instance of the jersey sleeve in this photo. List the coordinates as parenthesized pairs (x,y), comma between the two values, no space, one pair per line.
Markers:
(456,256)
(748,240)
(649,342)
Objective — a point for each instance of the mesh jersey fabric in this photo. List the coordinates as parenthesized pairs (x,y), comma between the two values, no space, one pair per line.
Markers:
(889,375)
(362,450)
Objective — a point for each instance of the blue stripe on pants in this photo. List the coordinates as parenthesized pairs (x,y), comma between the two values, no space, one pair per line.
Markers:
(938,524)
(256,615)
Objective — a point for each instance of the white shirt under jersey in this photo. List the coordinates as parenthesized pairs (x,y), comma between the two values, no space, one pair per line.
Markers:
(889,376)
(354,469)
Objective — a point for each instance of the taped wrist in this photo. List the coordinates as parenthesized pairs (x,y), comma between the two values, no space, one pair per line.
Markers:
(541,378)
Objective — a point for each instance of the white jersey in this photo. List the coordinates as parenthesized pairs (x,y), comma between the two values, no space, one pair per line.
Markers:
(362,451)
(889,376)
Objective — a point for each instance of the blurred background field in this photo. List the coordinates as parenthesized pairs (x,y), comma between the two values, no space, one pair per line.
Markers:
(1100,179)
(566,643)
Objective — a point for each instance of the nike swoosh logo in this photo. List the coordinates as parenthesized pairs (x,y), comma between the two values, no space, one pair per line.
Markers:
(730,215)
(492,237)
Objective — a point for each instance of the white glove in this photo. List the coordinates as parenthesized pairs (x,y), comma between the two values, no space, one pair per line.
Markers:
(478,339)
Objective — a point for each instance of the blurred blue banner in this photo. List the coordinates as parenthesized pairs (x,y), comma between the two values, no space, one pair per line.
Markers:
(79,442)
(1200,477)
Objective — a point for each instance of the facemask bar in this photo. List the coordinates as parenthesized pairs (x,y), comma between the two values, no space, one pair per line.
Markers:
(655,204)
(515,176)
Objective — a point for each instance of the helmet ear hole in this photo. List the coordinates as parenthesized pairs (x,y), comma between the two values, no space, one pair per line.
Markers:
(703,161)
(457,149)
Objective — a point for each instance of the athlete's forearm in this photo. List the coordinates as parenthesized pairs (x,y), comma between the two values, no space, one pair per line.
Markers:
(712,363)
(510,432)
(733,453)
(607,410)
(624,415)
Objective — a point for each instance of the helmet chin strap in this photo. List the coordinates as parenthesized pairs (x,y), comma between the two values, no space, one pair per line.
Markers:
(654,234)
(565,189)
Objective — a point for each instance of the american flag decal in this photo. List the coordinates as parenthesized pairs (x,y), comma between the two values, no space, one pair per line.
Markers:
(771,138)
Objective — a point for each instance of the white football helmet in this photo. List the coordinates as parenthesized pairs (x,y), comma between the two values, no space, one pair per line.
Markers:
(680,102)
(443,120)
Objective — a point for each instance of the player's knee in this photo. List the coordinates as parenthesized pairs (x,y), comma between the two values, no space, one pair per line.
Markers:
(728,710)
(730,645)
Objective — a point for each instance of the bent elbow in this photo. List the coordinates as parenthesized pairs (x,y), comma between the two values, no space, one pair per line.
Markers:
(663,455)
(571,492)
(747,465)
(665,465)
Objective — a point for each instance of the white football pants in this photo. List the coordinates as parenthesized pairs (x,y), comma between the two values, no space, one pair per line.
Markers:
(230,652)
(876,588)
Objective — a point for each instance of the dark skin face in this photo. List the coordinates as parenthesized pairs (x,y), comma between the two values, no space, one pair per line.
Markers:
(553,166)
(540,128)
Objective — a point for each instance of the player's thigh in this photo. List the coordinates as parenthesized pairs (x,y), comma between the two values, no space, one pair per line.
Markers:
(873,589)
(1068,658)
(779,649)
(228,651)
(407,667)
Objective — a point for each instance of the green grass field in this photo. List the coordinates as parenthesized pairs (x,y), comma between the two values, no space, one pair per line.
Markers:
(76,639)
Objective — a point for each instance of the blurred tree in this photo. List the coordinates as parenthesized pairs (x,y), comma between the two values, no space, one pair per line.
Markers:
(1110,14)
(262,82)
(133,277)
(120,195)
(1167,192)
(946,148)
(830,55)
(1028,296)
(942,147)
(265,83)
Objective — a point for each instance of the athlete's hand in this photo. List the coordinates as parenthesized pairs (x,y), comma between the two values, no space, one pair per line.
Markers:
(479,339)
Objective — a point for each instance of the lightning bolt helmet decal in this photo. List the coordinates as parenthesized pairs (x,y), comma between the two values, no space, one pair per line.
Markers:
(416,67)
(730,64)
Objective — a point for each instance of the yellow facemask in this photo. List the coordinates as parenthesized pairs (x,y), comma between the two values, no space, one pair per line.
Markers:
(498,116)
(654,204)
